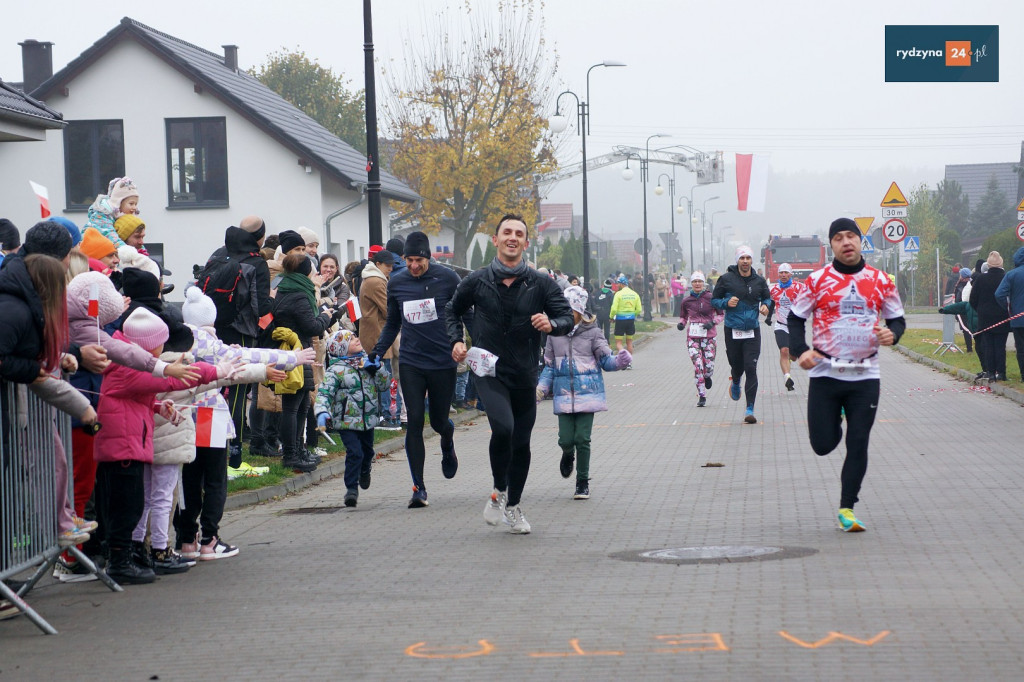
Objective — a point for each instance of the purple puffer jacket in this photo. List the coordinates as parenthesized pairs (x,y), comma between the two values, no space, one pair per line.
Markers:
(698,309)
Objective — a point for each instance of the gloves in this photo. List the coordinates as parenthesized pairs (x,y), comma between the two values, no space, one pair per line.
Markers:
(708,325)
(623,359)
(321,420)
(680,326)
(371,364)
(768,320)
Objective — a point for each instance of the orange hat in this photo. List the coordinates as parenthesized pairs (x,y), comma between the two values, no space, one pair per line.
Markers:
(95,245)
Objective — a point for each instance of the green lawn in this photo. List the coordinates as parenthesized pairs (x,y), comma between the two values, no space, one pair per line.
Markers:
(927,341)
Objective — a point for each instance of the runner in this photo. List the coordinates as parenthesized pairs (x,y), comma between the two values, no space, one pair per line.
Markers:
(783,293)
(699,319)
(513,305)
(417,296)
(846,298)
(742,293)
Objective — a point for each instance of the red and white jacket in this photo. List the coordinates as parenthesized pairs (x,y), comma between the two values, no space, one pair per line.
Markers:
(784,298)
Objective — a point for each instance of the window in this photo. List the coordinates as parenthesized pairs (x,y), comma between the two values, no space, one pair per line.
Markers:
(197,163)
(93,156)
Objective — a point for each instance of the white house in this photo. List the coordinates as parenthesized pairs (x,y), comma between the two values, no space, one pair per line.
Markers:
(206,143)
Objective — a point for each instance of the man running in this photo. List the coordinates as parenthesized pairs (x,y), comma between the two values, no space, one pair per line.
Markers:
(847,298)
(783,293)
(513,305)
(417,296)
(742,293)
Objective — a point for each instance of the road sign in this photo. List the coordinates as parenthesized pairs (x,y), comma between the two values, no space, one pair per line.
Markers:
(894,197)
(894,212)
(1020,231)
(865,245)
(911,245)
(864,224)
(639,244)
(894,230)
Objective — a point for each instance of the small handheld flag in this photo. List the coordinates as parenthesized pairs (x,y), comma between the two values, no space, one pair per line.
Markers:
(44,198)
(94,300)
(354,311)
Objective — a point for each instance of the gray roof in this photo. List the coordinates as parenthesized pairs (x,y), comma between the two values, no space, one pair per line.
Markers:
(974,179)
(249,97)
(15,105)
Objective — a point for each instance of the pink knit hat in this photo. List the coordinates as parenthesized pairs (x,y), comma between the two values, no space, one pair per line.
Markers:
(145,329)
(111,305)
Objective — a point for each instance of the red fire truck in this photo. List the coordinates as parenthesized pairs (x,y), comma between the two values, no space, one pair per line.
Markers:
(805,254)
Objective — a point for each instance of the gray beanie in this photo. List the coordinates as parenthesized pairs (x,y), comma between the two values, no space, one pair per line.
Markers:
(49,238)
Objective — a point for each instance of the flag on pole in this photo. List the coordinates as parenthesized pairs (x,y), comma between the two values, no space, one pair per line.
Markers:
(751,181)
(354,311)
(94,299)
(44,198)
(211,427)
(545,224)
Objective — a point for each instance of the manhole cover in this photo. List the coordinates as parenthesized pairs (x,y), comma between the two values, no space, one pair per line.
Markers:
(313,510)
(714,554)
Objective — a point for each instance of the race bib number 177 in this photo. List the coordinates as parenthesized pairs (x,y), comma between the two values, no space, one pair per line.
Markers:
(419,312)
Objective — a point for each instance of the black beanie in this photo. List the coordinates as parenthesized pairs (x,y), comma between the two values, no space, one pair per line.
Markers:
(49,238)
(305,267)
(395,245)
(10,238)
(417,244)
(180,338)
(842,225)
(290,239)
(137,283)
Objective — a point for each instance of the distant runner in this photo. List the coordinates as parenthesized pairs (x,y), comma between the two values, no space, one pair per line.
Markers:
(783,293)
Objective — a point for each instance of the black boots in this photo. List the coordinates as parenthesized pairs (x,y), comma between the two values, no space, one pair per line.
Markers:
(582,489)
(125,571)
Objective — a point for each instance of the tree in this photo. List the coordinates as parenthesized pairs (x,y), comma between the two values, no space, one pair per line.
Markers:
(926,221)
(1005,242)
(954,205)
(319,93)
(572,256)
(993,212)
(468,120)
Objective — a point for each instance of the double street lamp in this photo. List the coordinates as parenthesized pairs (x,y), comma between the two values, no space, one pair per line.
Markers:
(713,214)
(557,124)
(644,162)
(659,190)
(703,240)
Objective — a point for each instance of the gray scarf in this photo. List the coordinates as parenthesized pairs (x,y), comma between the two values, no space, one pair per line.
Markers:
(502,271)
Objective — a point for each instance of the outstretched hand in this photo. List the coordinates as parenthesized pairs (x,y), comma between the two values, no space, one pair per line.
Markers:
(227,368)
(179,370)
(306,356)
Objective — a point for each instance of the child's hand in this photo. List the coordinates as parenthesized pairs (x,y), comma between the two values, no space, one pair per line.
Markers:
(540,394)
(229,367)
(623,359)
(168,412)
(69,363)
(275,375)
(88,417)
(179,370)
(371,364)
(321,421)
(306,356)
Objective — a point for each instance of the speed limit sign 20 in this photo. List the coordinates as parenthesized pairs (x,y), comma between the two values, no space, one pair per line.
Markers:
(894,230)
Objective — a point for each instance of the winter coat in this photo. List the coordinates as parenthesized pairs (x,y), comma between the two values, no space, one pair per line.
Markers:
(1010,292)
(698,309)
(966,313)
(101,217)
(572,370)
(350,395)
(602,303)
(678,287)
(983,298)
(292,310)
(127,405)
(21,334)
(752,292)
(373,301)
(243,246)
(507,331)
(62,395)
(662,288)
(626,305)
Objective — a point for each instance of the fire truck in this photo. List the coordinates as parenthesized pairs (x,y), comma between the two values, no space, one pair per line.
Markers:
(805,254)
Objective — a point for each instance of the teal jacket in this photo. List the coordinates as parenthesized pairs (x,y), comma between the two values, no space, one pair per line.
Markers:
(350,395)
(968,314)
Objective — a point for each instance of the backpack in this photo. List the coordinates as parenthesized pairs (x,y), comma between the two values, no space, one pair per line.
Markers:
(231,284)
(603,303)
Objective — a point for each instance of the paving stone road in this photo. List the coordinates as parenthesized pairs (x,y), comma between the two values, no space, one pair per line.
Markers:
(930,592)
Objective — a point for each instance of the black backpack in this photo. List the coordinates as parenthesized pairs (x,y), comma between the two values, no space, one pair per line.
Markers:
(603,303)
(231,284)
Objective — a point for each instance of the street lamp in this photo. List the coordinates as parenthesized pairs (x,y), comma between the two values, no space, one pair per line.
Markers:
(659,190)
(713,214)
(703,241)
(557,124)
(643,176)
(693,220)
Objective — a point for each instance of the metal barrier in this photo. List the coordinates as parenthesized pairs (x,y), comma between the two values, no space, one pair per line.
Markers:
(28,499)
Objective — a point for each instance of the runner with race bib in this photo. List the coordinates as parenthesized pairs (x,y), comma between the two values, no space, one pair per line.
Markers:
(783,293)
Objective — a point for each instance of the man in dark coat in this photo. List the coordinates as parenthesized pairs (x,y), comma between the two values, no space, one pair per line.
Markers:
(991,343)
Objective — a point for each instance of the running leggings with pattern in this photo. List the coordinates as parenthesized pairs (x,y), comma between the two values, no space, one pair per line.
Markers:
(827,400)
(702,354)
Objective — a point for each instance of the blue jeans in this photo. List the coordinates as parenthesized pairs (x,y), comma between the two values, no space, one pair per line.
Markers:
(358,454)
(461,382)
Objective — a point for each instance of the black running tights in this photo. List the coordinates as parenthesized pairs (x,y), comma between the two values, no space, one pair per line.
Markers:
(827,399)
(511,413)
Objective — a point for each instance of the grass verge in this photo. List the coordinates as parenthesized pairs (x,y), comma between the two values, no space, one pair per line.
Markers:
(927,341)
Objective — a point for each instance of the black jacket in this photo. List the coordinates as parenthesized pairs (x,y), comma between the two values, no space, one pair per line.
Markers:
(21,334)
(983,299)
(292,310)
(242,245)
(518,345)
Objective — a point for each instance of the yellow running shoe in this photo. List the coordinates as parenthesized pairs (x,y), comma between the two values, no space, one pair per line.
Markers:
(849,522)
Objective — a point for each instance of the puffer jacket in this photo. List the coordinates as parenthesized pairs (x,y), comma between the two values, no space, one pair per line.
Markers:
(572,369)
(1010,292)
(21,334)
(698,309)
(752,292)
(101,217)
(350,395)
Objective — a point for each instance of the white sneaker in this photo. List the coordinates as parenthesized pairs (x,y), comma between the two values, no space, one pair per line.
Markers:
(515,518)
(495,509)
(71,573)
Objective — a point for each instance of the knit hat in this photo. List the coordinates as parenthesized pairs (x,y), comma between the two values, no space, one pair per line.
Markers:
(131,258)
(121,189)
(697,276)
(179,338)
(145,328)
(994,260)
(10,238)
(49,238)
(308,235)
(76,234)
(984,268)
(80,289)
(305,267)
(842,225)
(375,248)
(127,224)
(623,279)
(417,244)
(338,342)
(137,283)
(95,245)
(577,297)
(608,281)
(786,267)
(395,245)
(290,239)
(965,272)
(743,251)
(199,309)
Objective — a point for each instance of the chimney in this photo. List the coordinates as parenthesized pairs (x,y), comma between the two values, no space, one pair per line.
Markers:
(36,64)
(231,56)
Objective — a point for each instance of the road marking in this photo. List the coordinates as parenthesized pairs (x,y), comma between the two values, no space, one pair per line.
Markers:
(575,644)
(485,649)
(703,641)
(833,636)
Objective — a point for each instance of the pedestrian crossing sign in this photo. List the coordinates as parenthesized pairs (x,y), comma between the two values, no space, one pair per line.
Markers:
(911,245)
(866,246)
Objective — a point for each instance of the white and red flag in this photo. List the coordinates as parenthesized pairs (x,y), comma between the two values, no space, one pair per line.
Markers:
(44,198)
(211,427)
(354,311)
(94,300)
(751,181)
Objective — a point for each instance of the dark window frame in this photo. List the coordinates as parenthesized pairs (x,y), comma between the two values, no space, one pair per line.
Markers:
(99,184)
(174,203)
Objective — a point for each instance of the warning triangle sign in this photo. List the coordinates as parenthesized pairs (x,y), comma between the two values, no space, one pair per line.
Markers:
(894,197)
(864,224)
(1020,206)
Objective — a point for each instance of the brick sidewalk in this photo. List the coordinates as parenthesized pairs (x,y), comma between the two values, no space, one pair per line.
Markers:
(382,592)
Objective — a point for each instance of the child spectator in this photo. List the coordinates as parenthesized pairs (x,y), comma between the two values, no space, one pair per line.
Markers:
(349,400)
(572,375)
(122,198)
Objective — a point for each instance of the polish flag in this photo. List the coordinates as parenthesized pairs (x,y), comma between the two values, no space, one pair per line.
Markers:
(44,198)
(354,311)
(94,300)
(545,224)
(751,181)
(211,427)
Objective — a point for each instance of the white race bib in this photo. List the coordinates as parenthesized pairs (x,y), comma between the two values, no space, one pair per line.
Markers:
(419,312)
(481,362)
(697,329)
(850,366)
(742,333)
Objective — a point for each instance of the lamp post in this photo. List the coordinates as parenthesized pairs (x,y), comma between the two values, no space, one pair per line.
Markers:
(689,212)
(703,240)
(644,163)
(557,124)
(659,190)
(373,193)
(713,214)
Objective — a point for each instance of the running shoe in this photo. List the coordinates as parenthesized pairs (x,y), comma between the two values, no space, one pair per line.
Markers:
(71,572)
(246,470)
(419,498)
(494,511)
(702,401)
(169,562)
(72,536)
(748,417)
(848,522)
(215,548)
(734,389)
(516,520)
(789,383)
(449,461)
(565,465)
(83,525)
(707,382)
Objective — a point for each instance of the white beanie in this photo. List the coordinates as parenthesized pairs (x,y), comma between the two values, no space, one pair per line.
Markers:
(131,258)
(697,275)
(743,251)
(145,328)
(308,235)
(199,309)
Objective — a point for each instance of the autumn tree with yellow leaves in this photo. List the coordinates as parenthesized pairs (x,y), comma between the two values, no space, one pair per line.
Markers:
(467,119)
